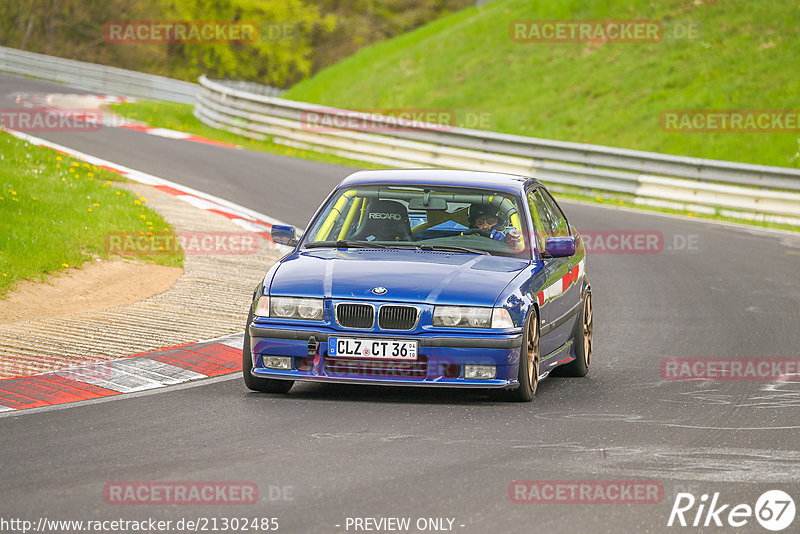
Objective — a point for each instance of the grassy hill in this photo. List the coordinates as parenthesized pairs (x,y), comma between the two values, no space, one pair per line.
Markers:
(745,57)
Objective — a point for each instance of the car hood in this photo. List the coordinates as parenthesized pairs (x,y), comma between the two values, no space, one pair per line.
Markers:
(408,275)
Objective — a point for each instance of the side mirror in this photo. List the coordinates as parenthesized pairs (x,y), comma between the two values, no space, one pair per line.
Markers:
(284,235)
(559,247)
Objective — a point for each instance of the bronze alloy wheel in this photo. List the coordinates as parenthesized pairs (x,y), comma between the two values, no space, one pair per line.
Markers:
(588,328)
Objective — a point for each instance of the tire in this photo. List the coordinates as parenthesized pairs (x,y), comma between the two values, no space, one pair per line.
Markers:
(264,385)
(583,341)
(529,358)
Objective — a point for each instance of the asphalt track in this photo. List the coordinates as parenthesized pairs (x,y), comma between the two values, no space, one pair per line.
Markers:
(380,452)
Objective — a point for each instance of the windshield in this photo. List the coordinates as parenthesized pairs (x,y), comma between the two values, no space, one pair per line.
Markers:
(429,217)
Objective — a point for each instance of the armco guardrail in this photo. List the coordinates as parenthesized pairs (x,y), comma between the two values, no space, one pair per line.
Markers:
(733,189)
(94,77)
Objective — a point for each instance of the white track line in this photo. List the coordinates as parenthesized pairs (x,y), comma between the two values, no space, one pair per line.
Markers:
(149,179)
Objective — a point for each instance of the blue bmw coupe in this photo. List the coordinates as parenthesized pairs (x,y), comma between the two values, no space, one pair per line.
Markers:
(425,278)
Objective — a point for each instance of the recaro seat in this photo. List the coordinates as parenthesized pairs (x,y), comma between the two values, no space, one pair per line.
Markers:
(384,220)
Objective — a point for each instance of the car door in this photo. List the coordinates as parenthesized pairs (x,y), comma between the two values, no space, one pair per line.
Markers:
(560,292)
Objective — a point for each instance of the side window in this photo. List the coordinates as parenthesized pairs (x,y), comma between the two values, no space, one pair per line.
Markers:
(542,224)
(560,225)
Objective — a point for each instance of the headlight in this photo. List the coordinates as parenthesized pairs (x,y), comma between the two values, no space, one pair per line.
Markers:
(471,317)
(295,308)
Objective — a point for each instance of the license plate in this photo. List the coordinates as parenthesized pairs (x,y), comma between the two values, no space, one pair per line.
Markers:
(383,349)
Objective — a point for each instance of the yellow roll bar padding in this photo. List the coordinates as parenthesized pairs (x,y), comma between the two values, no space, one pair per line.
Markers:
(350,216)
(330,220)
(516,223)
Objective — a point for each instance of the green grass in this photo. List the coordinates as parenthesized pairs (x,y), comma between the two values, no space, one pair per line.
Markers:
(609,94)
(56,211)
(179,117)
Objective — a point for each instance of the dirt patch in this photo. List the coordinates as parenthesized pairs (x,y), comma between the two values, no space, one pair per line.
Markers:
(95,286)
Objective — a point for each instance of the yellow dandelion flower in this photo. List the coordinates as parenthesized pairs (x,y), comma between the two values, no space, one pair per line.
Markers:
(90,209)
(58,158)
(5,275)
(65,264)
(149,233)
(96,205)
(149,223)
(89,174)
(143,216)
(58,165)
(108,182)
(87,165)
(76,164)
(141,233)
(598,197)
(137,202)
(119,192)
(143,199)
(15,199)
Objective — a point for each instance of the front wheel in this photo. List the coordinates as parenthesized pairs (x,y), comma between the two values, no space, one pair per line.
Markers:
(528,374)
(264,385)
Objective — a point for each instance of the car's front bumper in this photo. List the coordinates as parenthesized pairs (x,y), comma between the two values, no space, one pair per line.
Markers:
(440,363)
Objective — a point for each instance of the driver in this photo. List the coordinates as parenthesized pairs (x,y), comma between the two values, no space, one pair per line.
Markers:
(488,221)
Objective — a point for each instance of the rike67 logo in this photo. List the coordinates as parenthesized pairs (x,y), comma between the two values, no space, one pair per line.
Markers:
(774,510)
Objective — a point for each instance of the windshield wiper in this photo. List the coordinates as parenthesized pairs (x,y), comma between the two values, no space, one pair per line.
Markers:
(452,248)
(343,243)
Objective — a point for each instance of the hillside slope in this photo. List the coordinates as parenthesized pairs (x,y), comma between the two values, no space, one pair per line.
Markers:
(744,56)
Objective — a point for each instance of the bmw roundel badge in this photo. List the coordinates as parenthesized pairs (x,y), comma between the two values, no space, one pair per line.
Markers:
(379,290)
